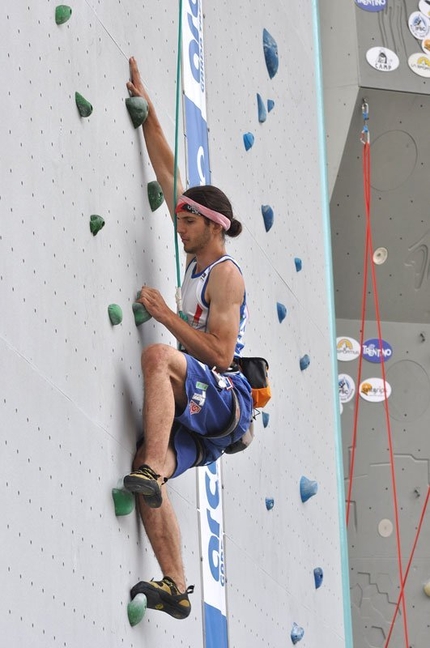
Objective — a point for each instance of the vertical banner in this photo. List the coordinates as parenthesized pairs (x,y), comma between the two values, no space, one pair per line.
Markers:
(209,478)
(196,129)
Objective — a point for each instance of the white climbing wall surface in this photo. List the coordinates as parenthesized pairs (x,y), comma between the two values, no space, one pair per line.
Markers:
(70,384)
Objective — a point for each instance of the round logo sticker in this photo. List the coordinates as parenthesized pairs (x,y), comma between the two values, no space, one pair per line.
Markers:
(420,64)
(424,7)
(347,349)
(372,350)
(382,59)
(425,44)
(419,25)
(372,390)
(371,5)
(346,388)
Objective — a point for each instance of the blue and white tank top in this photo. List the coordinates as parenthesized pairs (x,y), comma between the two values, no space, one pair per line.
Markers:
(196,308)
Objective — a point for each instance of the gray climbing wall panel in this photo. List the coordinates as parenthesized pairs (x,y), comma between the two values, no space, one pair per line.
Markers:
(374,570)
(397,103)
(71,383)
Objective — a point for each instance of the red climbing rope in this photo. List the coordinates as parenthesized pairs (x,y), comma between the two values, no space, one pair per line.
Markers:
(414,546)
(357,392)
(368,258)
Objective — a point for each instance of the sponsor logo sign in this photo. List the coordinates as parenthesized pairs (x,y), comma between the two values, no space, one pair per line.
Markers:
(424,7)
(346,388)
(420,64)
(382,59)
(194,87)
(373,353)
(212,546)
(373,391)
(425,44)
(347,349)
(371,5)
(419,25)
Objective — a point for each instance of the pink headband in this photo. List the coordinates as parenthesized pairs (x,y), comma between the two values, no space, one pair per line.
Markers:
(185,203)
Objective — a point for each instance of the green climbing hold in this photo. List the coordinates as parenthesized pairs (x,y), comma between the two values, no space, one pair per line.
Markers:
(96,223)
(141,315)
(155,195)
(136,609)
(123,501)
(115,314)
(84,106)
(137,109)
(62,14)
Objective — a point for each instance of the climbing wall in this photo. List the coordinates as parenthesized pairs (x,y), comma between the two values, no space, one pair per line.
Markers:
(70,384)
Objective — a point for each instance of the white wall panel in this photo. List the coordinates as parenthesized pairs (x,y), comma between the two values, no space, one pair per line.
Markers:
(71,383)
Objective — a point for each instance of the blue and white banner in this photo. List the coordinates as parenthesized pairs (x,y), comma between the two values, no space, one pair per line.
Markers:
(209,478)
(196,128)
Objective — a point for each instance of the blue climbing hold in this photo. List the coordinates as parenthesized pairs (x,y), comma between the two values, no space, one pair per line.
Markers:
(262,112)
(248,140)
(268,216)
(270,53)
(318,577)
(298,264)
(265,418)
(282,311)
(270,105)
(305,361)
(270,503)
(308,488)
(297,633)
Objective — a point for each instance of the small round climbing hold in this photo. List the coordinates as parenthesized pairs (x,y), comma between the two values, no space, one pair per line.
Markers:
(427,588)
(96,223)
(262,112)
(115,314)
(155,195)
(318,577)
(84,106)
(136,609)
(123,501)
(270,105)
(298,263)
(268,216)
(282,311)
(137,109)
(248,141)
(270,53)
(141,315)
(62,14)
(308,488)
(265,418)
(305,361)
(297,633)
(270,503)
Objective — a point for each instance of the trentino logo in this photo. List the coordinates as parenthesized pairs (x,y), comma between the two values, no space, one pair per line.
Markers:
(375,350)
(371,5)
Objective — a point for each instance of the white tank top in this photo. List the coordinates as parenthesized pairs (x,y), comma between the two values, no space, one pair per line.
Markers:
(196,308)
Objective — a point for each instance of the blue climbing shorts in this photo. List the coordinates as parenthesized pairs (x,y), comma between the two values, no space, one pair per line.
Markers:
(208,412)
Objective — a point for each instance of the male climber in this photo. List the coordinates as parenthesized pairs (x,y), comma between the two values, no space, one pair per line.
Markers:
(196,401)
